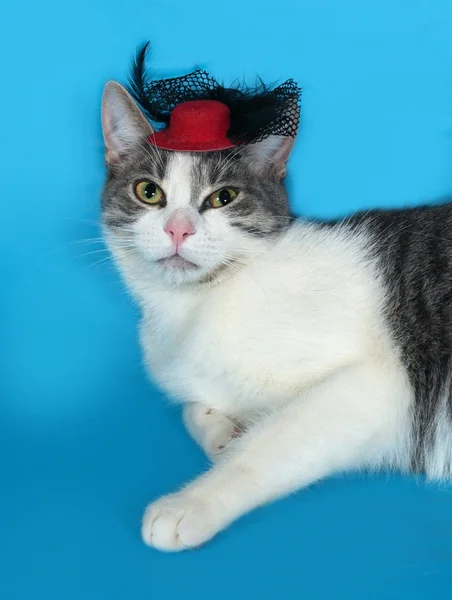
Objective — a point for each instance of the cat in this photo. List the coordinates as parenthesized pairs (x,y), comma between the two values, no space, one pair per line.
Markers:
(298,349)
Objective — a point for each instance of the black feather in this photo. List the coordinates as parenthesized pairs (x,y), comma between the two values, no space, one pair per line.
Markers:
(255,112)
(138,83)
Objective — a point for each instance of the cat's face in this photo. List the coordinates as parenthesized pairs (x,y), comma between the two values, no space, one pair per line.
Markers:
(187,216)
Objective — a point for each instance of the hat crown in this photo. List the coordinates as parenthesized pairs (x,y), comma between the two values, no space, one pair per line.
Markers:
(200,121)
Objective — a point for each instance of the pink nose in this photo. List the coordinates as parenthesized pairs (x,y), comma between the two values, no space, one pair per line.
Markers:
(179,230)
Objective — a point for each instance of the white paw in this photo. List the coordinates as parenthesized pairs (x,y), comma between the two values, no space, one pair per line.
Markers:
(178,522)
(211,429)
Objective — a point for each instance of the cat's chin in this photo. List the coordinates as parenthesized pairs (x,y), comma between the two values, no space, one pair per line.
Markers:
(177,263)
(178,270)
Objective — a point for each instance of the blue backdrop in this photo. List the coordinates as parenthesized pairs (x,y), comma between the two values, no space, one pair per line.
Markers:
(85,440)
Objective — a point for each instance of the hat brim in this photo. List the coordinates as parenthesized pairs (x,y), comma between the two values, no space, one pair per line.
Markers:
(162,139)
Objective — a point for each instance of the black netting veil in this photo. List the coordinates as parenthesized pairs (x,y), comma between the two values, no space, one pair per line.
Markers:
(255,113)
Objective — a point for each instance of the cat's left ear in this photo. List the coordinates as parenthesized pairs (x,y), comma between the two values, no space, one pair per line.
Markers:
(271,155)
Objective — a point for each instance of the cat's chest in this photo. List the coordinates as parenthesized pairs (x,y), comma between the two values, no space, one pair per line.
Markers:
(241,352)
(219,363)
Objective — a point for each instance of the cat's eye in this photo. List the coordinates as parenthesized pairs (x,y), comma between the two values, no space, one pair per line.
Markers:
(149,192)
(221,198)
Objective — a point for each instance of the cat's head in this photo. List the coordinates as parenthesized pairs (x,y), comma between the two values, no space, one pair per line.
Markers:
(186,217)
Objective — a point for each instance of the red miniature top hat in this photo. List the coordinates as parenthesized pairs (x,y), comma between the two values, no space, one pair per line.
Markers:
(195,126)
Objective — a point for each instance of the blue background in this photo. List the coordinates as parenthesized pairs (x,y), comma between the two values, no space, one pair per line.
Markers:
(85,440)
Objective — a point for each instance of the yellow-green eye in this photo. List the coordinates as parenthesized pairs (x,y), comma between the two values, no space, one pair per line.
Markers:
(221,197)
(149,192)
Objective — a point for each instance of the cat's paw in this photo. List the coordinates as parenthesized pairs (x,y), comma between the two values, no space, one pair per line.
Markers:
(211,429)
(178,522)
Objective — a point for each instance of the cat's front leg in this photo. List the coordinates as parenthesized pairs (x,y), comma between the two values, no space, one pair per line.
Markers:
(356,417)
(210,428)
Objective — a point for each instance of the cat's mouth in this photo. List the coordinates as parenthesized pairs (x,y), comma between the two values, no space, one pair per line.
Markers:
(176,262)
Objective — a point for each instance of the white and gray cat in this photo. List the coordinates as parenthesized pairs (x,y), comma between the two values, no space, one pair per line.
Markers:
(298,349)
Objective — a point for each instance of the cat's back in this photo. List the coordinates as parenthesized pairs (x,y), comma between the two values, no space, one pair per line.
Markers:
(411,253)
(413,250)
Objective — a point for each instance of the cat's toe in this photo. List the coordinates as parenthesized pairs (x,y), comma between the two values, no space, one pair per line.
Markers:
(178,522)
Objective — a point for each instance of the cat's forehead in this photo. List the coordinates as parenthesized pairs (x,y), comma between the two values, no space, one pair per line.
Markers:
(180,180)
(195,165)
(187,176)
(201,167)
(182,168)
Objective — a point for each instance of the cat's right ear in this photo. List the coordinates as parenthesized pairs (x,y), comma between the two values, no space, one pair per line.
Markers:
(123,124)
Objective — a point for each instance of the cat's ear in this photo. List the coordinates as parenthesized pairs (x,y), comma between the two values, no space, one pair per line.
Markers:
(123,123)
(271,155)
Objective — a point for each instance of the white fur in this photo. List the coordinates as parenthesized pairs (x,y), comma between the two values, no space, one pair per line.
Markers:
(211,429)
(439,456)
(292,345)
